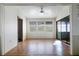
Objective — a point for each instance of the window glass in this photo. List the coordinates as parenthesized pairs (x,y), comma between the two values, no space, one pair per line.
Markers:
(59,26)
(32,22)
(68,27)
(40,22)
(63,27)
(48,22)
(41,26)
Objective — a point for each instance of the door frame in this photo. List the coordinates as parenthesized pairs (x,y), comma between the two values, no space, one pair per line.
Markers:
(18,28)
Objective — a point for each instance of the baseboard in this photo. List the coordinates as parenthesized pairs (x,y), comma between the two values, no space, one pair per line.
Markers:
(40,38)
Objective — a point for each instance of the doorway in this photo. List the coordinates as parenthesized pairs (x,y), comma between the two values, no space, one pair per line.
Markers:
(20,29)
(63,30)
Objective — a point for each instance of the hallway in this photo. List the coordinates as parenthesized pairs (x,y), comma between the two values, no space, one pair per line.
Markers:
(40,47)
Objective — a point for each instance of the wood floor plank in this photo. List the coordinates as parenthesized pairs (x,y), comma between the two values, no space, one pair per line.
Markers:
(40,47)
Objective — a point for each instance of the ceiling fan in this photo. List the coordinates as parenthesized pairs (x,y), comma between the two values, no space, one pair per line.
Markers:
(41,11)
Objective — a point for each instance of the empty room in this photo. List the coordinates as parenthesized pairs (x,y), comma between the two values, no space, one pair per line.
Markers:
(39,29)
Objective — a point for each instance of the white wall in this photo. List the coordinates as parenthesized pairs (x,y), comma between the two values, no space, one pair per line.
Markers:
(0,30)
(63,12)
(41,34)
(2,27)
(24,29)
(74,30)
(8,28)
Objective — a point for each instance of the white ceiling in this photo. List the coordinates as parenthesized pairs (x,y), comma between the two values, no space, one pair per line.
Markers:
(34,11)
(37,4)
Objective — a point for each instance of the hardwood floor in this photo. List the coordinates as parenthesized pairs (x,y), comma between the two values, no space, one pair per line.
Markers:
(40,47)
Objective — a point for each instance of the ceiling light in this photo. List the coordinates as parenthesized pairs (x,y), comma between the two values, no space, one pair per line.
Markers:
(42,11)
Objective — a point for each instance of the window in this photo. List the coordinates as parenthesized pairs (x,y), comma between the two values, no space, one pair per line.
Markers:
(32,26)
(48,22)
(59,26)
(42,26)
(32,23)
(40,22)
(68,27)
(48,28)
(63,27)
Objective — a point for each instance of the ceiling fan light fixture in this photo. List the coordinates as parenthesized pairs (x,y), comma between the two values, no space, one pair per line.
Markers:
(42,11)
